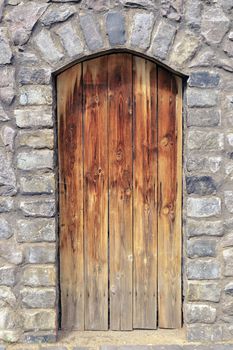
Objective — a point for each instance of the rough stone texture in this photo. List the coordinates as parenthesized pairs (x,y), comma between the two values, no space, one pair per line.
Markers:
(115,24)
(40,254)
(3,115)
(201,98)
(212,140)
(202,185)
(36,230)
(7,275)
(7,135)
(214,24)
(70,39)
(162,40)
(201,248)
(35,95)
(203,117)
(33,117)
(186,44)
(38,207)
(141,30)
(204,79)
(11,252)
(5,49)
(205,333)
(35,276)
(42,183)
(7,174)
(5,228)
(228,196)
(40,159)
(228,262)
(91,32)
(36,139)
(203,269)
(7,297)
(57,14)
(203,207)
(22,19)
(193,13)
(6,204)
(200,313)
(36,75)
(202,228)
(204,164)
(228,289)
(204,291)
(50,52)
(42,319)
(38,298)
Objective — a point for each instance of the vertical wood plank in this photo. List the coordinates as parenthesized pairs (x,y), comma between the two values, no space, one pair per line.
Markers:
(96,193)
(69,100)
(145,194)
(120,190)
(170,182)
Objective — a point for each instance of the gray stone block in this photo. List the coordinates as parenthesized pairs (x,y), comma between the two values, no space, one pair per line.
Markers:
(70,39)
(203,291)
(38,207)
(38,297)
(34,117)
(162,40)
(36,230)
(115,24)
(204,228)
(201,98)
(56,14)
(203,269)
(201,248)
(48,48)
(41,183)
(40,254)
(210,140)
(203,207)
(204,79)
(91,32)
(200,313)
(202,185)
(38,276)
(203,117)
(33,75)
(141,31)
(39,159)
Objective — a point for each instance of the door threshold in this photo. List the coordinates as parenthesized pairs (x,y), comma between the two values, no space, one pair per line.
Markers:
(96,339)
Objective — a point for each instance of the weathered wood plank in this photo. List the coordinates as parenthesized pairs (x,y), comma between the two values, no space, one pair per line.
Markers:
(145,194)
(169,217)
(69,100)
(96,193)
(120,190)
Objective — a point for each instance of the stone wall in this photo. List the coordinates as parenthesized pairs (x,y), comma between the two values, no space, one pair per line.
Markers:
(39,37)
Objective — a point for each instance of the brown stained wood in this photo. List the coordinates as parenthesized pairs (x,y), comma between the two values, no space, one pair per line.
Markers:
(169,217)
(96,193)
(120,190)
(69,100)
(145,194)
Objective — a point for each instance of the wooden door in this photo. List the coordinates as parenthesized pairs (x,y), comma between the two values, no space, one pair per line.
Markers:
(120,165)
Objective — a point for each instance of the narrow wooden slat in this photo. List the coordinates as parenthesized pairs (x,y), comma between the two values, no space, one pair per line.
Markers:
(69,100)
(96,193)
(145,194)
(120,190)
(169,217)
